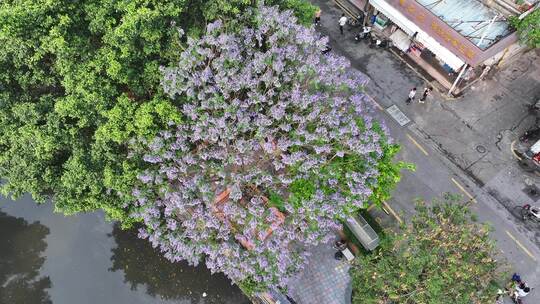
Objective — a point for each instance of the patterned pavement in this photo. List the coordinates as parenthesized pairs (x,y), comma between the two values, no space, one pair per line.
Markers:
(324,280)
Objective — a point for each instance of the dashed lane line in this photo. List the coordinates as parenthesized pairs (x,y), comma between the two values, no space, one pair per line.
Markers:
(521,246)
(472,199)
(417,144)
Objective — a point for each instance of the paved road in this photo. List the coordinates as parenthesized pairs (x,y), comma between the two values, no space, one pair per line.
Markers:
(442,140)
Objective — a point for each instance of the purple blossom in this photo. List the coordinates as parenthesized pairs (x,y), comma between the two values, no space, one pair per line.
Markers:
(247,121)
(152,159)
(145,178)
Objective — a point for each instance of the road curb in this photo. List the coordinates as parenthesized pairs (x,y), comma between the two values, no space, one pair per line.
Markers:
(433,84)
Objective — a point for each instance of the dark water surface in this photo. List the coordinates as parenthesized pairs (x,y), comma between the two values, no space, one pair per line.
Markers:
(46,257)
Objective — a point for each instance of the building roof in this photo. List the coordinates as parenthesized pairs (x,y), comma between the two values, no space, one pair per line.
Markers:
(471,18)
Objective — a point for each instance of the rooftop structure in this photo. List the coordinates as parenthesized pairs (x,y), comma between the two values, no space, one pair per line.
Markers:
(473,19)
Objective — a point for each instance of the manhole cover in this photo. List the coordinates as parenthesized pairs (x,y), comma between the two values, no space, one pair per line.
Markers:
(481,149)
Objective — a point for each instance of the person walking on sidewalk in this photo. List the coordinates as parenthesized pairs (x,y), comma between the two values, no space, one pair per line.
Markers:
(425,94)
(342,22)
(318,17)
(412,93)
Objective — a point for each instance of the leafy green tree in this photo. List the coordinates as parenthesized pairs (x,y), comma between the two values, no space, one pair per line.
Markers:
(230,9)
(528,28)
(390,172)
(303,10)
(77,80)
(66,69)
(441,256)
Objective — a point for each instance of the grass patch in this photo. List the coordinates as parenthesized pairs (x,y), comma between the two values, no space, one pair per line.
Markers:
(275,200)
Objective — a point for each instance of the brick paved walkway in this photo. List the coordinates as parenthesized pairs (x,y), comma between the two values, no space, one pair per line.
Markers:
(325,280)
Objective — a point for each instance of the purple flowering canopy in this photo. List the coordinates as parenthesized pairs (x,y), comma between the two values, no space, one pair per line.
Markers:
(276,147)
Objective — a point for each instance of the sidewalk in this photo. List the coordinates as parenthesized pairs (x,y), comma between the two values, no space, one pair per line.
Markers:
(323,280)
(474,131)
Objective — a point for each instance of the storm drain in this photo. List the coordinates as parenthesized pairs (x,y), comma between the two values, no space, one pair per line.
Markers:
(532,192)
(396,113)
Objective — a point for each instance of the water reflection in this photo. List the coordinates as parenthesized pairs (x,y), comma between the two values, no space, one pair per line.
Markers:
(21,248)
(144,267)
(46,257)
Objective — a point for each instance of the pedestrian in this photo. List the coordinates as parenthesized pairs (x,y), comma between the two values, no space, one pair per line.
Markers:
(342,22)
(373,18)
(516,278)
(485,72)
(318,17)
(521,291)
(412,93)
(425,94)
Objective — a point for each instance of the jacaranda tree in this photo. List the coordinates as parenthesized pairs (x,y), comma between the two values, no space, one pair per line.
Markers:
(275,147)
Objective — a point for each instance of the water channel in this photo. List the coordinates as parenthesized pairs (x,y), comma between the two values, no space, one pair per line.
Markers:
(46,258)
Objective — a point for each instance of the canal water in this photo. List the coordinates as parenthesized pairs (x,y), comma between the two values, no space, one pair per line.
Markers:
(46,257)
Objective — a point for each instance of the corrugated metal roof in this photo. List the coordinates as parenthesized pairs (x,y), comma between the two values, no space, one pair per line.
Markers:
(471,18)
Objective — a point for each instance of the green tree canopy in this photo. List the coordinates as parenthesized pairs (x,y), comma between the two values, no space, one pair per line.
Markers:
(528,28)
(77,80)
(441,256)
